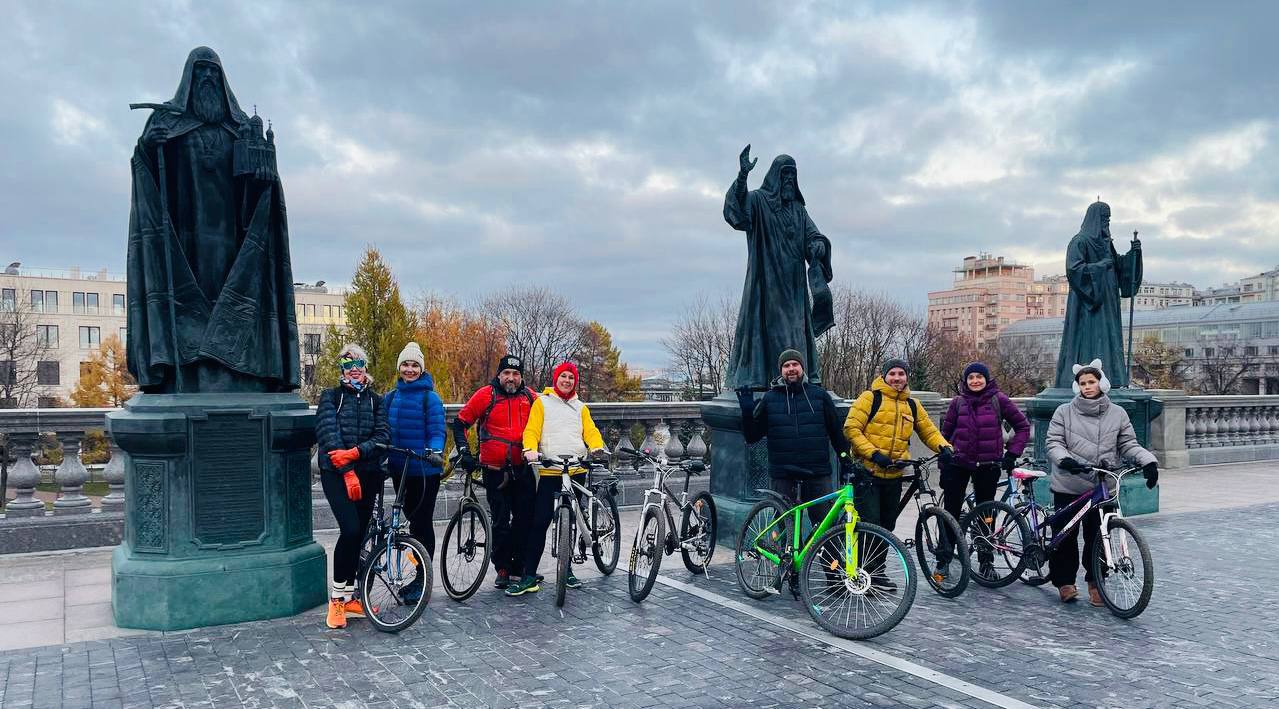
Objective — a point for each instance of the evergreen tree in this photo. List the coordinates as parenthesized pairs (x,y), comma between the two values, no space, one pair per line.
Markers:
(604,377)
(376,319)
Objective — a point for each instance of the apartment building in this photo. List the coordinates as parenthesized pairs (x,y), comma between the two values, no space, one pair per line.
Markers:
(988,293)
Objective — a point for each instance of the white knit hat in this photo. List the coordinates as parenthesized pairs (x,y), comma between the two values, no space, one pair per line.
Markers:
(1104,383)
(411,353)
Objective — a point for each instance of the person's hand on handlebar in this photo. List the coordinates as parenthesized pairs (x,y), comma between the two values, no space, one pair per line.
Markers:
(599,455)
(945,455)
(880,459)
(532,456)
(435,460)
(465,460)
(1071,465)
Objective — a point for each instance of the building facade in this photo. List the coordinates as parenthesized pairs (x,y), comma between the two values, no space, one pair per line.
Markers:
(1155,296)
(1226,348)
(1261,288)
(988,294)
(54,320)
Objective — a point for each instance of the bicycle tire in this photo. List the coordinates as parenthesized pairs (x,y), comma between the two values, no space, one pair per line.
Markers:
(564,552)
(746,552)
(467,550)
(613,544)
(646,546)
(927,544)
(828,549)
(708,527)
(995,528)
(1103,575)
(380,584)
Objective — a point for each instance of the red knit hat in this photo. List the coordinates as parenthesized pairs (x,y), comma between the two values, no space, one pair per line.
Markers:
(555,377)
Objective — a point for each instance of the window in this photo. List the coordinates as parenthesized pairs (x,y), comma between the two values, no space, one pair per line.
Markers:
(47,335)
(124,340)
(85,369)
(84,303)
(308,374)
(8,300)
(37,301)
(1250,350)
(117,304)
(1273,349)
(8,372)
(1189,352)
(51,301)
(48,372)
(1208,352)
(90,337)
(311,344)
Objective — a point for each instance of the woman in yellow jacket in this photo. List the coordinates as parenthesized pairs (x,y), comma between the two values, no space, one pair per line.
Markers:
(880,436)
(558,424)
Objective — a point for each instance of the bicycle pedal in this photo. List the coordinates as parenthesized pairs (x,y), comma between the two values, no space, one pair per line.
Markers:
(908,543)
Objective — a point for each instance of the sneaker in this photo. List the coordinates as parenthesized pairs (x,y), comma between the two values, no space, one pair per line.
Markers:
(1068,593)
(528,584)
(503,579)
(941,574)
(1094,596)
(412,593)
(986,570)
(571,581)
(337,614)
(354,609)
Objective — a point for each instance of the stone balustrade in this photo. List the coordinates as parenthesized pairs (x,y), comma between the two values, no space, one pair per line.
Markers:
(1230,429)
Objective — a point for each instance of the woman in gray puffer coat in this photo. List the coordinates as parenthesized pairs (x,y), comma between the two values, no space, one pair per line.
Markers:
(1087,431)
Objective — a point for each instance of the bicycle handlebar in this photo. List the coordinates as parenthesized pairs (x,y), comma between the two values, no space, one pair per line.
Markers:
(408,452)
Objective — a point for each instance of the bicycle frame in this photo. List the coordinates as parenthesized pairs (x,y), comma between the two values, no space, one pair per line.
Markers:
(666,498)
(842,503)
(1098,497)
(918,488)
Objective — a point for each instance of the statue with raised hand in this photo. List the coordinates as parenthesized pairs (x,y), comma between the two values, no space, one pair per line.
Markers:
(210,303)
(786,299)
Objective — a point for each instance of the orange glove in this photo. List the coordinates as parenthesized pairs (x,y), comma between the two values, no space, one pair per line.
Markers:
(343,458)
(352,485)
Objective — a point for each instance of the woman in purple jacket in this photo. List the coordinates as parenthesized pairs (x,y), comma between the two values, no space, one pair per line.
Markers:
(974,425)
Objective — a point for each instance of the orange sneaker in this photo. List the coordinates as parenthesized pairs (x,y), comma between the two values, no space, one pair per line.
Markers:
(337,614)
(354,609)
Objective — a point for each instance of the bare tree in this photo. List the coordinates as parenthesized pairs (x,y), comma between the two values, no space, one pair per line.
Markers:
(541,326)
(1226,360)
(22,346)
(700,343)
(1159,366)
(869,328)
(1022,366)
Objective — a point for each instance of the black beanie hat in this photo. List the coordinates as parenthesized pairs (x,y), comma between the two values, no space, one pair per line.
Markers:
(979,368)
(510,362)
(892,364)
(788,355)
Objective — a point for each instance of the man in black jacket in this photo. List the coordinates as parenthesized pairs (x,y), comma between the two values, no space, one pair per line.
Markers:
(802,425)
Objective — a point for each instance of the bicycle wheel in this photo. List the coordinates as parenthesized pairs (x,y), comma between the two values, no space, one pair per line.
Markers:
(997,537)
(646,554)
(388,569)
(869,602)
(464,556)
(1127,585)
(937,534)
(698,530)
(756,574)
(564,552)
(607,534)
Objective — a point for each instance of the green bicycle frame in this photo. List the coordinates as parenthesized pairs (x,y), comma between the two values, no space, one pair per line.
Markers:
(842,504)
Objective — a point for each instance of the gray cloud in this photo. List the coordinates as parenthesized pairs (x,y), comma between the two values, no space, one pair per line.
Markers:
(588,146)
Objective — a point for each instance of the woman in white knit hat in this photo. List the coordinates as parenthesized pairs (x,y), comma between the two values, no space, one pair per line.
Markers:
(416,416)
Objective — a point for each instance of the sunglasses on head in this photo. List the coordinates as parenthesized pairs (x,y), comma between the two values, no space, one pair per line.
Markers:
(351,364)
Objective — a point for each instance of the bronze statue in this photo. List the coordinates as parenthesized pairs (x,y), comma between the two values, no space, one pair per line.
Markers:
(209,280)
(1098,278)
(787,257)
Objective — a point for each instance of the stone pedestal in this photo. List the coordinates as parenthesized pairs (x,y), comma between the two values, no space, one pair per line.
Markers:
(1143,409)
(218,513)
(739,470)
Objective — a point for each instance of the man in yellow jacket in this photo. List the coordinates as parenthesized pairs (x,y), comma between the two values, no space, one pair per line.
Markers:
(878,428)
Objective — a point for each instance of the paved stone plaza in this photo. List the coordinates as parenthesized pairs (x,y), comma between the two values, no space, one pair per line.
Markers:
(1206,640)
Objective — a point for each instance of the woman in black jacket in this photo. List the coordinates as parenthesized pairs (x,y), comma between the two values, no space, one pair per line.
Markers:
(350,421)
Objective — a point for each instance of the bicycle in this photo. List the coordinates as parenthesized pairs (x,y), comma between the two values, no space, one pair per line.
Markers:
(656,536)
(1124,582)
(600,527)
(396,559)
(853,579)
(937,534)
(466,541)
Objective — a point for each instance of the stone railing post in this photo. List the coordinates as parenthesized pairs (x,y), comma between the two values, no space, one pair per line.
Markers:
(674,449)
(696,447)
(1168,431)
(650,426)
(113,472)
(71,476)
(23,477)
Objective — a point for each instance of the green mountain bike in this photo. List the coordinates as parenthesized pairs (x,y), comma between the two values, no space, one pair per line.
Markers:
(853,577)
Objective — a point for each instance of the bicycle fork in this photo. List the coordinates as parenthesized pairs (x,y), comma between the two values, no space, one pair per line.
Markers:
(850,540)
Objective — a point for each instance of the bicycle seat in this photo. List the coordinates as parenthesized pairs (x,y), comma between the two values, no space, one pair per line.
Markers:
(1026,474)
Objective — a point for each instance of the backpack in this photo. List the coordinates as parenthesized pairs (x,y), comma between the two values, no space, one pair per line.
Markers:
(481,432)
(877,400)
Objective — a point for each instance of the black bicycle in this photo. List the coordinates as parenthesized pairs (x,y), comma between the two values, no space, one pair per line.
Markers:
(657,537)
(464,555)
(396,561)
(940,545)
(599,526)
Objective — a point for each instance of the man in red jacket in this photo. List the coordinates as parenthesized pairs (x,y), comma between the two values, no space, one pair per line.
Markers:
(501,410)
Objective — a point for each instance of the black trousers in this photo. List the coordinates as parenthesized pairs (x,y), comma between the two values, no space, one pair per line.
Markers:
(809,489)
(511,509)
(1063,563)
(545,502)
(419,496)
(878,503)
(954,485)
(352,519)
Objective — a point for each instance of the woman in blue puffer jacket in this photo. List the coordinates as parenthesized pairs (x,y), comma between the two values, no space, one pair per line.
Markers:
(416,416)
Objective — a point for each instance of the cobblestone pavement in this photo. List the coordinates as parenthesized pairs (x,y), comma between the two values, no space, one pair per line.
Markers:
(1206,640)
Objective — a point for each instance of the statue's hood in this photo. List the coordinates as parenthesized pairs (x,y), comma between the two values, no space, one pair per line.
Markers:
(183,94)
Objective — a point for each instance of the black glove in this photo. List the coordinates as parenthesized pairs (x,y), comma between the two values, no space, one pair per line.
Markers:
(464,458)
(946,455)
(1071,465)
(1150,471)
(1010,462)
(435,460)
(883,461)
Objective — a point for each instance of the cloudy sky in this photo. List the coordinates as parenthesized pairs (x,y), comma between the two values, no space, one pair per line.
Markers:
(588,146)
